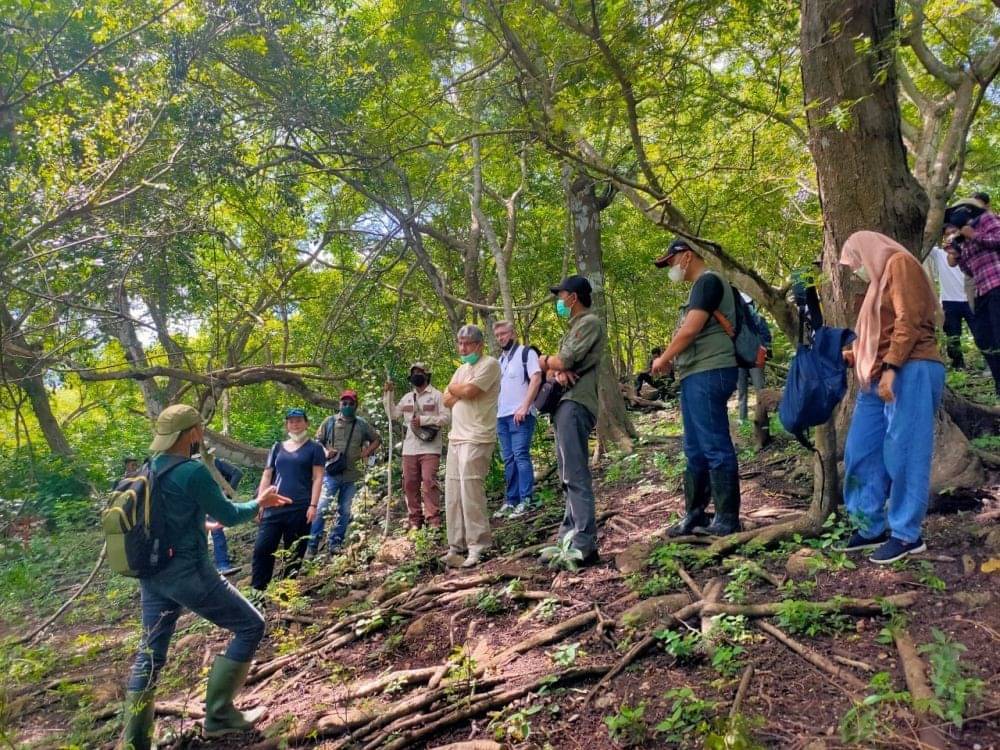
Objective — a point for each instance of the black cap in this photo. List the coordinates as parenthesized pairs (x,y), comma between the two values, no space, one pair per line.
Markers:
(574,285)
(981,196)
(677,246)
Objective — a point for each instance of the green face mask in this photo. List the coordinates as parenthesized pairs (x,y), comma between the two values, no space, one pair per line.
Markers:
(470,359)
(347,411)
(561,310)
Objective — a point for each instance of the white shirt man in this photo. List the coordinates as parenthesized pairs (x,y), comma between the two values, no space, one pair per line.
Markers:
(520,379)
(954,302)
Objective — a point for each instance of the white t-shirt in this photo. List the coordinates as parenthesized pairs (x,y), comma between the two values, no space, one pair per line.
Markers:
(513,387)
(951,280)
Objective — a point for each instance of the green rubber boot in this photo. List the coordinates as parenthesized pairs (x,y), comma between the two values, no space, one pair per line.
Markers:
(138,733)
(696,496)
(224,682)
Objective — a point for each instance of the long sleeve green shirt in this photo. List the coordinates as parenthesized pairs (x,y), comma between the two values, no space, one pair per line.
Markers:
(188,494)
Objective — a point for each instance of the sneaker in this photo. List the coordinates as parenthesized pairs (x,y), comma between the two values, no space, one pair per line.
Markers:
(521,509)
(453,560)
(858,541)
(546,556)
(471,561)
(504,511)
(896,549)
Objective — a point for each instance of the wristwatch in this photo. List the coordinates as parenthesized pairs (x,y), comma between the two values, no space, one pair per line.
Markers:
(889,366)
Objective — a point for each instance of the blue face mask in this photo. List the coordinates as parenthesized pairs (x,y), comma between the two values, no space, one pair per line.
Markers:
(562,310)
(348,410)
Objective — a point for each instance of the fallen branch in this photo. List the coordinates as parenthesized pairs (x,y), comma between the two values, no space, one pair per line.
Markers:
(916,683)
(68,603)
(546,636)
(846,605)
(813,657)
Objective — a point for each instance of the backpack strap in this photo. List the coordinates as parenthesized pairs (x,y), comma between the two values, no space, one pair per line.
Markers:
(273,456)
(524,361)
(330,431)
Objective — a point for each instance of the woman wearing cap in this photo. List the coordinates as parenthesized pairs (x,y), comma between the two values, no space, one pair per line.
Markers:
(190,581)
(891,439)
(295,467)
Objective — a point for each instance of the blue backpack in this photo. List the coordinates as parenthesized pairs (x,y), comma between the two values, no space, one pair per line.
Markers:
(816,383)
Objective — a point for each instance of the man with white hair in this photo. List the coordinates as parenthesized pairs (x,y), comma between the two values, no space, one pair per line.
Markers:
(472,397)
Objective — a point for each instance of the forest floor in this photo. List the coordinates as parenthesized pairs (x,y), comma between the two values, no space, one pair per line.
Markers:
(658,645)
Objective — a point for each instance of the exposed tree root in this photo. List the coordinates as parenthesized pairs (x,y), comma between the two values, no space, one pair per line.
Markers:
(916,683)
(741,691)
(846,605)
(814,657)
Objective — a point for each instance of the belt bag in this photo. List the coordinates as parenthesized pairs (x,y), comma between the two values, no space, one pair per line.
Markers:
(338,464)
(551,393)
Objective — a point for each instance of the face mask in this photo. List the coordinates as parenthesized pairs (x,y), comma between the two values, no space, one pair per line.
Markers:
(347,410)
(676,273)
(561,309)
(862,273)
(470,359)
(418,379)
(508,345)
(299,437)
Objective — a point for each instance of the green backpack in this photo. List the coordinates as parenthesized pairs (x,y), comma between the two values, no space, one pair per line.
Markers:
(134,525)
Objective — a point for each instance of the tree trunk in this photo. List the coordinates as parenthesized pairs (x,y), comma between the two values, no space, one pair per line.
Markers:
(39,397)
(613,424)
(849,82)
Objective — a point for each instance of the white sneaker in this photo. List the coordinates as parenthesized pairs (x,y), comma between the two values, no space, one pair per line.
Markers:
(521,509)
(471,561)
(504,511)
(453,560)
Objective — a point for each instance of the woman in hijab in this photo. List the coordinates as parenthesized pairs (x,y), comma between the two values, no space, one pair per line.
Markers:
(891,439)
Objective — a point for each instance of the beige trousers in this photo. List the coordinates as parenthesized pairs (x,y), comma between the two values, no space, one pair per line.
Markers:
(465,496)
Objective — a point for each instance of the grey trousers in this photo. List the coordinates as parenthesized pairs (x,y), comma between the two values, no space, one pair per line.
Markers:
(573,423)
(756,376)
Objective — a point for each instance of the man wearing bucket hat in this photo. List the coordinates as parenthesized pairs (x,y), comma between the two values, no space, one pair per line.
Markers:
(190,581)
(576,368)
(425,416)
(972,240)
(348,440)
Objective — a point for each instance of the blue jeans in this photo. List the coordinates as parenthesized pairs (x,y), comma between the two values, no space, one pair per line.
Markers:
(888,453)
(220,549)
(197,586)
(515,449)
(344,492)
(707,444)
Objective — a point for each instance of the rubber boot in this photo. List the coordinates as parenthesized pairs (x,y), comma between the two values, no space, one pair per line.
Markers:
(224,682)
(138,734)
(696,496)
(726,494)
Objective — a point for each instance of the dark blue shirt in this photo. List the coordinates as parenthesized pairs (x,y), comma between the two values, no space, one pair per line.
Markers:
(293,473)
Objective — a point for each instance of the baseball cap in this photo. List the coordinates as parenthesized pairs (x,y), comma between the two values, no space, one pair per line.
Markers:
(353,395)
(296,411)
(171,423)
(676,247)
(419,366)
(574,285)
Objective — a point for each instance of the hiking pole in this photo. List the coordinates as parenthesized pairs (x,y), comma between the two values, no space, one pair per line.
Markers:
(388,466)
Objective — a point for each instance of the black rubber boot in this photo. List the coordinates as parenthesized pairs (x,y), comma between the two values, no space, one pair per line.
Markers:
(726,494)
(696,496)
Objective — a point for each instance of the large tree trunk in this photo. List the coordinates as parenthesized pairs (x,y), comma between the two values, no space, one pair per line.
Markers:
(849,82)
(613,424)
(39,398)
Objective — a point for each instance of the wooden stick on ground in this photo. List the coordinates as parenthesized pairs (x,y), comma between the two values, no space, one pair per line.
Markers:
(68,603)
(813,657)
(741,691)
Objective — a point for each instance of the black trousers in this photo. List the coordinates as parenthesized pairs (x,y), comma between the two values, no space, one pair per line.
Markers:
(954,314)
(289,528)
(987,331)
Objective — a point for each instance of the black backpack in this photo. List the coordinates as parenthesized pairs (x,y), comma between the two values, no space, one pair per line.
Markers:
(134,525)
(524,358)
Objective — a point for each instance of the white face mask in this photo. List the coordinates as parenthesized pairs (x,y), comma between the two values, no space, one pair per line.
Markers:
(299,437)
(676,273)
(862,273)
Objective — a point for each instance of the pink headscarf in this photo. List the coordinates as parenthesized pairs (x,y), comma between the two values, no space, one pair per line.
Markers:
(873,251)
